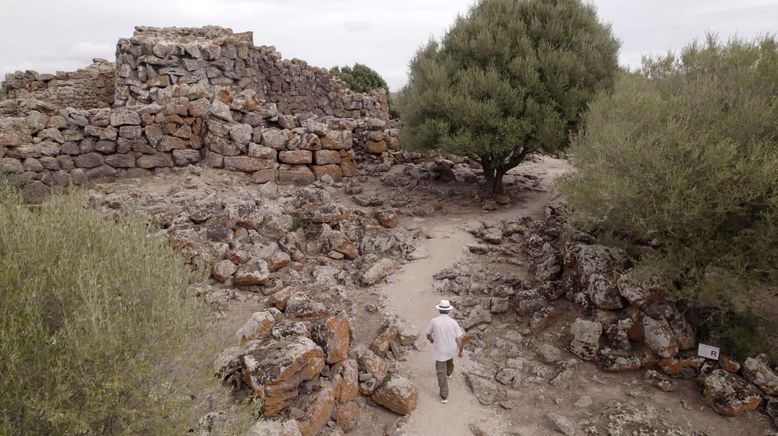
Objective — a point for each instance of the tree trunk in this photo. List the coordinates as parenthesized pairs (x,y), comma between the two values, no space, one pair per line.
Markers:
(494,179)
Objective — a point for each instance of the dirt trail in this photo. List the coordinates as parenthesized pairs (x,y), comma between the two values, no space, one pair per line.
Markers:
(410,296)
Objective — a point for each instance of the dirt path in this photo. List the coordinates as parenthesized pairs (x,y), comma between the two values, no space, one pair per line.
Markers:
(411,297)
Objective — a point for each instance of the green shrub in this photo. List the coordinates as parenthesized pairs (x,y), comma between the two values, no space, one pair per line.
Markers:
(509,78)
(96,324)
(685,151)
(360,78)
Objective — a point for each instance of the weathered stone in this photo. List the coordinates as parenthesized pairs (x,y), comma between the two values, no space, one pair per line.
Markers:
(682,366)
(157,160)
(248,164)
(350,381)
(295,175)
(339,242)
(257,327)
(124,117)
(89,160)
(376,272)
(255,273)
(223,270)
(325,157)
(170,143)
(333,171)
(334,336)
(347,416)
(477,316)
(32,164)
(372,364)
(275,138)
(759,373)
(484,389)
(14,132)
(262,152)
(11,166)
(101,172)
(221,111)
(276,368)
(388,218)
(376,147)
(729,395)
(586,338)
(154,133)
(121,160)
(267,427)
(318,410)
(549,353)
(659,337)
(562,424)
(300,307)
(300,157)
(639,290)
(35,192)
(397,394)
(186,157)
(278,261)
(382,343)
(336,140)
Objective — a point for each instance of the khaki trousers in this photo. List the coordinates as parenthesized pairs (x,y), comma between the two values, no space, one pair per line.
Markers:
(444,369)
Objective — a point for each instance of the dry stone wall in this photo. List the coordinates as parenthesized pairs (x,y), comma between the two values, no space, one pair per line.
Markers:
(87,88)
(182,96)
(153,59)
(43,146)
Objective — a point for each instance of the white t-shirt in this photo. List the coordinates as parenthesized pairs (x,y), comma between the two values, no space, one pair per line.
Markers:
(444,331)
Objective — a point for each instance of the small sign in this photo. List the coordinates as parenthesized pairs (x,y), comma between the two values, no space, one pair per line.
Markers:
(708,352)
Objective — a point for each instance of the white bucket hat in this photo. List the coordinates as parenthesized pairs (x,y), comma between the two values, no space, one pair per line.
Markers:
(444,305)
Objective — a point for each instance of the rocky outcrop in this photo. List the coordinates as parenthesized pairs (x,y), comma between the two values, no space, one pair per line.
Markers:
(729,395)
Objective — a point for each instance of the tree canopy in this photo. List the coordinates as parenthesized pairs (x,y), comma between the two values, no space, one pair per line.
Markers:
(685,152)
(509,78)
(360,78)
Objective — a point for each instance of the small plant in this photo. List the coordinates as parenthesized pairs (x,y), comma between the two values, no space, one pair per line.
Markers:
(360,78)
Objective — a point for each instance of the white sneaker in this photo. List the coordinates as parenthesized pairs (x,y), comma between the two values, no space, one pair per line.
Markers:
(449,376)
(444,400)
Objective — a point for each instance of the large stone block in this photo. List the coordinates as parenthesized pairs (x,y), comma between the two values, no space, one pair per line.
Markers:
(331,170)
(299,157)
(89,160)
(248,164)
(397,394)
(124,117)
(157,160)
(295,175)
(334,336)
(325,157)
(275,370)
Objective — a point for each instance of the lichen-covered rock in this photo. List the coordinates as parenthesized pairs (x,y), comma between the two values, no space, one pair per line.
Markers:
(275,370)
(318,408)
(759,373)
(372,364)
(376,272)
(585,338)
(257,327)
(484,389)
(729,395)
(334,336)
(659,337)
(397,394)
(382,343)
(223,270)
(349,388)
(347,416)
(388,218)
(639,290)
(255,273)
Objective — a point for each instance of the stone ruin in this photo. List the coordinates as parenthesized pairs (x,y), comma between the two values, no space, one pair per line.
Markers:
(184,96)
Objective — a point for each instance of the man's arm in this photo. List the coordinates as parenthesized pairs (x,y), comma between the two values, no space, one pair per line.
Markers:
(429,338)
(429,332)
(461,344)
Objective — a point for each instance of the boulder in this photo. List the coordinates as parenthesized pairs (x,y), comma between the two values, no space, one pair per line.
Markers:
(298,157)
(326,157)
(376,272)
(274,370)
(562,424)
(549,353)
(300,307)
(759,373)
(350,381)
(252,274)
(639,290)
(484,389)
(347,416)
(388,218)
(257,327)
(382,343)
(372,364)
(585,338)
(223,270)
(332,170)
(729,395)
(397,394)
(318,409)
(659,337)
(477,316)
(334,336)
(407,333)
(295,175)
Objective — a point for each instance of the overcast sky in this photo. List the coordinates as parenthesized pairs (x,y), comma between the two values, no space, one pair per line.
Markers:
(51,35)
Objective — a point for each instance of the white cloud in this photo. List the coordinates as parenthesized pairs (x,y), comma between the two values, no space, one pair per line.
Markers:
(50,35)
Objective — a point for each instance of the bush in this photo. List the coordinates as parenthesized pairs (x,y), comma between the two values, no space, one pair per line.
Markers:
(360,78)
(685,152)
(93,315)
(510,78)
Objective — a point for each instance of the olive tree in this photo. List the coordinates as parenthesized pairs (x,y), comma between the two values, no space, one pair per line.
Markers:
(509,78)
(360,78)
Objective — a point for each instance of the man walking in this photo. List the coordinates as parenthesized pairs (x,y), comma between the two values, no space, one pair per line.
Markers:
(448,339)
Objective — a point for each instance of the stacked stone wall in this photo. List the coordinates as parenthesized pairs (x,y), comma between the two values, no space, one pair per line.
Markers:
(153,59)
(43,146)
(87,88)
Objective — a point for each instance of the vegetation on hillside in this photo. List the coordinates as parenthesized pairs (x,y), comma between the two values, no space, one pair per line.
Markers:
(509,78)
(98,331)
(685,153)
